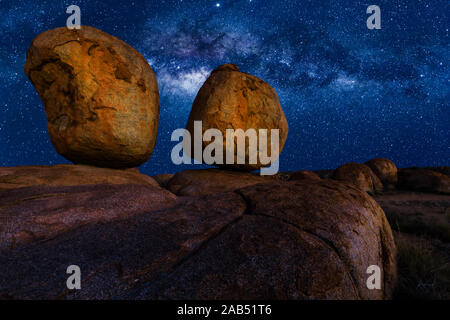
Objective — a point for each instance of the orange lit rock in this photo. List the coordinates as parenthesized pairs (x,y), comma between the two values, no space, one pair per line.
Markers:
(230,99)
(100,96)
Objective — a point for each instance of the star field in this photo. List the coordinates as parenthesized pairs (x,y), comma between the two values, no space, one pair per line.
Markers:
(349,93)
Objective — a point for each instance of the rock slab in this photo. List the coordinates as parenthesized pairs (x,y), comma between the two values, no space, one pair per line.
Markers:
(308,239)
(69,175)
(423,180)
(210,181)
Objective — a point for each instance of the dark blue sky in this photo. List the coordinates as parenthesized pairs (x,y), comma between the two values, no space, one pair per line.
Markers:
(349,93)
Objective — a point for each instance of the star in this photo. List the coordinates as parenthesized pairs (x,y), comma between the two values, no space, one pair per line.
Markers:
(345,91)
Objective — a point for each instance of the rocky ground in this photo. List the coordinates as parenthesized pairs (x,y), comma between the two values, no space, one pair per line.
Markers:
(216,234)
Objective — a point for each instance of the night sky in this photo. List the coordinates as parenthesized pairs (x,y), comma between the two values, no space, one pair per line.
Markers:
(349,93)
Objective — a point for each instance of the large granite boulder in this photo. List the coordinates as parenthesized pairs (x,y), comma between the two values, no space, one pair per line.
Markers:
(100,96)
(296,240)
(230,99)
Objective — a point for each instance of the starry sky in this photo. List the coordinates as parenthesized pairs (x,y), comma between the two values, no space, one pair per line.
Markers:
(349,93)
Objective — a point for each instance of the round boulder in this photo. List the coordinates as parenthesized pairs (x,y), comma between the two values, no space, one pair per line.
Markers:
(230,99)
(385,170)
(100,96)
(359,175)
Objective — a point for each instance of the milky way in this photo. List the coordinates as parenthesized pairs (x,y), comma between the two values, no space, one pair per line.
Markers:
(349,93)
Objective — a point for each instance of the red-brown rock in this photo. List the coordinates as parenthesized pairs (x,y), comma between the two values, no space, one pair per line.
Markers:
(69,175)
(310,239)
(385,170)
(209,181)
(298,240)
(341,218)
(116,255)
(100,96)
(359,175)
(163,179)
(423,180)
(40,212)
(303,174)
(441,169)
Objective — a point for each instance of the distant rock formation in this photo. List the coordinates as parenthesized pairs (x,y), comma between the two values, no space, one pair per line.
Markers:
(100,96)
(359,175)
(385,170)
(423,180)
(230,99)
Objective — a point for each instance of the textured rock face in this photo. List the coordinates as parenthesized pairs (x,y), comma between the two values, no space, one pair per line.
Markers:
(359,175)
(69,175)
(347,225)
(304,174)
(442,169)
(163,179)
(100,96)
(209,181)
(385,170)
(230,99)
(116,255)
(277,240)
(40,213)
(423,180)
(297,240)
